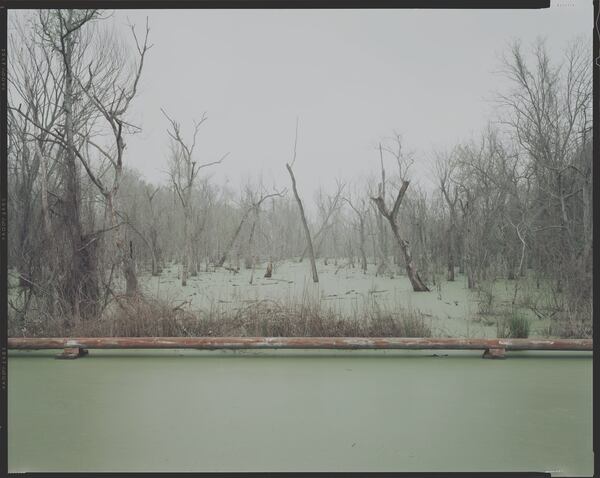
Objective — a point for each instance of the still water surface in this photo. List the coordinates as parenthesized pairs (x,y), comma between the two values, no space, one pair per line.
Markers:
(300,411)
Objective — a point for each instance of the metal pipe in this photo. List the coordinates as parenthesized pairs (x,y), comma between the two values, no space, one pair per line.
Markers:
(340,343)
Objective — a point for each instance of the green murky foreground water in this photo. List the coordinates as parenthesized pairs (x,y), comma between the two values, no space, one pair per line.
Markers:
(300,411)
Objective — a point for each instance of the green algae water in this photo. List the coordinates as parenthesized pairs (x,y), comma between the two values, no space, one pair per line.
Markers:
(300,411)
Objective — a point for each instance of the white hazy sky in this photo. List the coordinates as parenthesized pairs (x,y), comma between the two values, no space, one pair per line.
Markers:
(351,76)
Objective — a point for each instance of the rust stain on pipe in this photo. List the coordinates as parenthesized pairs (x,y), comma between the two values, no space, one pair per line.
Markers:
(339,343)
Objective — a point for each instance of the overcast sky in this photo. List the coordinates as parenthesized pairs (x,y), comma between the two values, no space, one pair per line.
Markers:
(351,76)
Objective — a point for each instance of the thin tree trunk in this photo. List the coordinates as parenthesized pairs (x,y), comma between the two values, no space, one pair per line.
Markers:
(186,247)
(51,265)
(411,270)
(154,263)
(311,252)
(80,284)
(154,252)
(252,258)
(233,239)
(587,225)
(318,236)
(363,255)
(380,227)
(450,244)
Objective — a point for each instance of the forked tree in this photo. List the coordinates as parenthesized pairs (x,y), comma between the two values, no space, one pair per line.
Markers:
(392,216)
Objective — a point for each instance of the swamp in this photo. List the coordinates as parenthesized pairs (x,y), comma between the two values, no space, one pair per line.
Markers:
(487,236)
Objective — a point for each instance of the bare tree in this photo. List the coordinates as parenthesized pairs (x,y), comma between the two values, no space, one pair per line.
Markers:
(327,208)
(383,246)
(311,251)
(361,210)
(391,216)
(105,94)
(445,170)
(255,201)
(153,226)
(548,114)
(111,93)
(182,174)
(60,32)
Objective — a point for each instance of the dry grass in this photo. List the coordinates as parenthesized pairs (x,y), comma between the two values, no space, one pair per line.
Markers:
(572,328)
(139,317)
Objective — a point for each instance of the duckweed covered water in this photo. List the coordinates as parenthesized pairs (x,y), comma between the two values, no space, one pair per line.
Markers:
(300,411)
(450,309)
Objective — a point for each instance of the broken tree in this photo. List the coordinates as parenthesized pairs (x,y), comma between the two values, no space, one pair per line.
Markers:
(392,216)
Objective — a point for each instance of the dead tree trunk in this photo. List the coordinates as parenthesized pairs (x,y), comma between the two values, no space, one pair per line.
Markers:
(255,206)
(125,253)
(382,235)
(363,254)
(81,289)
(333,205)
(467,243)
(183,173)
(361,234)
(251,257)
(186,244)
(311,251)
(450,245)
(233,238)
(154,249)
(411,270)
(131,282)
(52,266)
(450,194)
